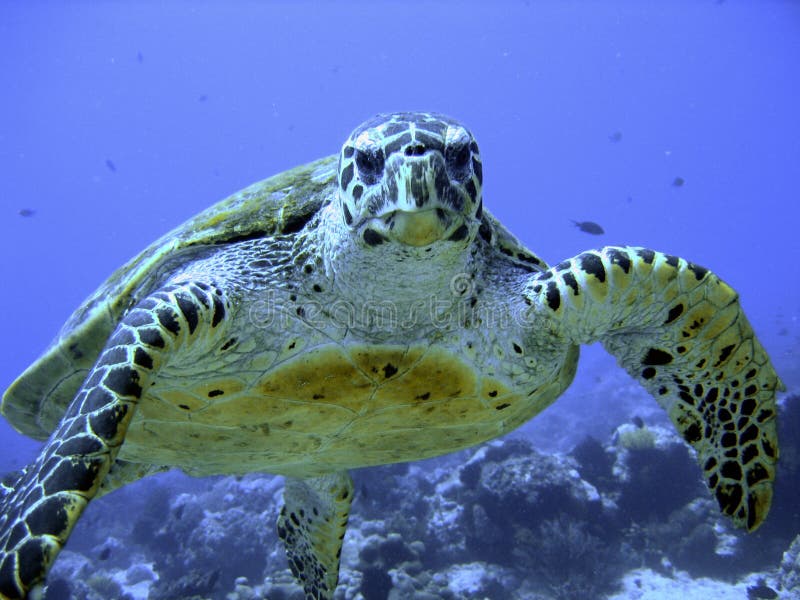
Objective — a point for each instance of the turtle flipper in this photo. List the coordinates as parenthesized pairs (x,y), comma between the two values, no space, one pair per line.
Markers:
(37,516)
(680,331)
(312,525)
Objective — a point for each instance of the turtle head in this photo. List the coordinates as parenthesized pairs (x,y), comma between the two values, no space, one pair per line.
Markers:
(412,178)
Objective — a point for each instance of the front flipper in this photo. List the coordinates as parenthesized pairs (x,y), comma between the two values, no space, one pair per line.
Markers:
(312,525)
(38,514)
(680,331)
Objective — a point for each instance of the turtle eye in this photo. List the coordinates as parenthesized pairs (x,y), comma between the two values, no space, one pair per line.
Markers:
(370,165)
(457,156)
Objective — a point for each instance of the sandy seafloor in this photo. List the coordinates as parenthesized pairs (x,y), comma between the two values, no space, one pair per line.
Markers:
(122,119)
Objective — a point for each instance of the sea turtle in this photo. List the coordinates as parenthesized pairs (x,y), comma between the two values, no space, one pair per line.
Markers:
(360,310)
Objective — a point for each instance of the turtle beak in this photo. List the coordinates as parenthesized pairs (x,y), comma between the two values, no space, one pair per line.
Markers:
(418,228)
(415,212)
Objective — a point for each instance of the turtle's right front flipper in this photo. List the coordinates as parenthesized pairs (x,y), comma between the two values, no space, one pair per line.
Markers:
(37,516)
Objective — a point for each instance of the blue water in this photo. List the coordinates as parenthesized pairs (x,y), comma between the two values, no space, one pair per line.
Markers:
(120,120)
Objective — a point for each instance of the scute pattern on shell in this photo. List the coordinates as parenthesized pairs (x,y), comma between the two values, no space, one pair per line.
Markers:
(36,401)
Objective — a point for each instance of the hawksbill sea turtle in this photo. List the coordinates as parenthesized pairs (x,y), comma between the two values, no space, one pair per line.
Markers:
(360,310)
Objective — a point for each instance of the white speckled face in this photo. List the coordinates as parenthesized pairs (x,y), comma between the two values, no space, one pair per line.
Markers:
(412,178)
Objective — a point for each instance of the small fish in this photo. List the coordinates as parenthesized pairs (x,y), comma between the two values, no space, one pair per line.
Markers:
(104,553)
(111,166)
(139,57)
(589,227)
(202,98)
(638,421)
(678,182)
(615,137)
(26,212)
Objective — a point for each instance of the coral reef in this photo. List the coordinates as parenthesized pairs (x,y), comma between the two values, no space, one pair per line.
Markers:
(789,570)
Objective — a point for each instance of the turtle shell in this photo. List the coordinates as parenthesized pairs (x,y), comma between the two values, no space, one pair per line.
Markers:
(36,401)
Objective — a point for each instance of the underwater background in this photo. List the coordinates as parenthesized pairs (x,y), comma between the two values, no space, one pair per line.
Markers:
(673,125)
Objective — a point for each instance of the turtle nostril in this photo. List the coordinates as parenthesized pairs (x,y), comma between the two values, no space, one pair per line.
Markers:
(415,150)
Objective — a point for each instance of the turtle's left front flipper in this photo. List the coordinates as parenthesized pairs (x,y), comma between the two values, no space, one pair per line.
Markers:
(39,510)
(680,331)
(312,524)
